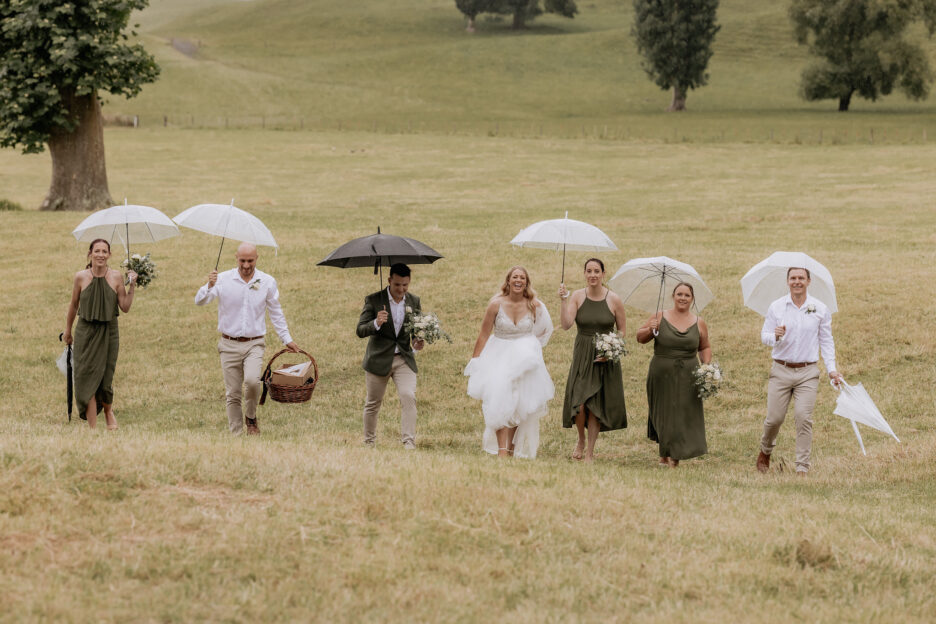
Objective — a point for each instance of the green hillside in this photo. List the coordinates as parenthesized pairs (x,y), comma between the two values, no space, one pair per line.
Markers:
(409,64)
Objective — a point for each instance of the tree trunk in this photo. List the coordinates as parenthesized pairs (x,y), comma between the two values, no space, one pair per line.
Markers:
(519,19)
(844,101)
(471,24)
(679,99)
(79,177)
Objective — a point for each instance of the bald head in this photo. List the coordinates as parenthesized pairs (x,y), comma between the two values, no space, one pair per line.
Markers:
(246,248)
(246,260)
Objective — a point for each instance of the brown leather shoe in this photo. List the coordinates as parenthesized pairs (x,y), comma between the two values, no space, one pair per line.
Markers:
(252,428)
(763,462)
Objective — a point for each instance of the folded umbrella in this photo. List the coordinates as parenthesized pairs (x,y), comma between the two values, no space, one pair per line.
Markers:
(855,404)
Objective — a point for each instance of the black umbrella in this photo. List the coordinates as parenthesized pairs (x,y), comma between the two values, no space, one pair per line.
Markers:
(68,375)
(380,250)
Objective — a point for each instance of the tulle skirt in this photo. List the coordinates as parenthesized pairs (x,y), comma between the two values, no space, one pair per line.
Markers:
(511,380)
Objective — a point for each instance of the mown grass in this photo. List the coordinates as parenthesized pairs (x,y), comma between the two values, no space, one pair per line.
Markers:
(170,519)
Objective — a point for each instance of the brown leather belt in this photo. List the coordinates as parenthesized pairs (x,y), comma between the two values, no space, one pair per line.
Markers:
(241,338)
(793,364)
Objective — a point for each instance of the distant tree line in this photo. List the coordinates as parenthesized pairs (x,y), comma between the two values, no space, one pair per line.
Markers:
(861,45)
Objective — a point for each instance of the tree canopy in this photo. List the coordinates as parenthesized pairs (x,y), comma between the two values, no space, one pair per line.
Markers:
(522,11)
(862,48)
(675,38)
(52,51)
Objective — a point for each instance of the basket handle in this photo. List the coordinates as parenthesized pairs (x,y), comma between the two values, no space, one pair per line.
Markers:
(267,374)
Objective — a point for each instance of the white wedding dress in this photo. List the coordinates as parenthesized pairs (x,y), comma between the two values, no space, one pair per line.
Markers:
(511,380)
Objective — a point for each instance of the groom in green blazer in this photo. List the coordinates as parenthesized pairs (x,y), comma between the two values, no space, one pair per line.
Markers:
(389,354)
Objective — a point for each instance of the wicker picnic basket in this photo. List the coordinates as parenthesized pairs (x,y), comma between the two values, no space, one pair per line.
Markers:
(288,394)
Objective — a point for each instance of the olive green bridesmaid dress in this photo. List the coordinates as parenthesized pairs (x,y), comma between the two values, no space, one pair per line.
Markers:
(597,385)
(676,419)
(96,344)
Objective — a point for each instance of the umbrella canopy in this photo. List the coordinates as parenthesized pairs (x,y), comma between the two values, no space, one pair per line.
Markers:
(380,250)
(564,234)
(855,404)
(767,281)
(648,283)
(227,221)
(126,224)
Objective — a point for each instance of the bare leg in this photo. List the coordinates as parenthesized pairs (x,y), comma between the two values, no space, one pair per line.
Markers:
(511,432)
(580,426)
(91,413)
(109,416)
(593,428)
(503,442)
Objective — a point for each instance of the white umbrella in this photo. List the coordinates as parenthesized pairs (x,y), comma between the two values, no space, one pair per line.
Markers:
(564,234)
(126,224)
(855,404)
(226,221)
(647,283)
(767,281)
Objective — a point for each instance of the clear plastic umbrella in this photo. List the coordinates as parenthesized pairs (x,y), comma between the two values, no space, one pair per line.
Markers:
(564,234)
(647,283)
(855,404)
(226,221)
(767,281)
(126,224)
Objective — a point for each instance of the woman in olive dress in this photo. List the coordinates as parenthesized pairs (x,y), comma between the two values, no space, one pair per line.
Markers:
(594,397)
(676,420)
(97,294)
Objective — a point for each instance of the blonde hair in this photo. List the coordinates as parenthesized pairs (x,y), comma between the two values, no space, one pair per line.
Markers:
(528,293)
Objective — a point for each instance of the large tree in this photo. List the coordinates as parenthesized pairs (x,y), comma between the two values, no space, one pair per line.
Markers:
(522,10)
(55,56)
(862,48)
(675,38)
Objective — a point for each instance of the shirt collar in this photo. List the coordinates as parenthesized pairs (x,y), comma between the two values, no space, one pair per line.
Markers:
(390,298)
(809,300)
(235,276)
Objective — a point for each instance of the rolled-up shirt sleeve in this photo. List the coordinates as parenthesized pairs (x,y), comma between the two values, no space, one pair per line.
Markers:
(207,294)
(276,313)
(826,343)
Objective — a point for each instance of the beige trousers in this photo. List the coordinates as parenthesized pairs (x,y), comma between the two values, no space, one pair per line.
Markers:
(241,363)
(801,385)
(405,381)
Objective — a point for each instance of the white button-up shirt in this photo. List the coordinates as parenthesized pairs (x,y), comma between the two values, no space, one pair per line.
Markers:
(808,329)
(241,305)
(397,313)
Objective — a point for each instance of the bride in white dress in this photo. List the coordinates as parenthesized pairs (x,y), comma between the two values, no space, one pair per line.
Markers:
(507,372)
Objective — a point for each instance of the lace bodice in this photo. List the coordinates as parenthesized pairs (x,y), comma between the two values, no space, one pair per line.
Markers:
(506,329)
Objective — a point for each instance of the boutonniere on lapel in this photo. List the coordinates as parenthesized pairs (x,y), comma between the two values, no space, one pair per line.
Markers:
(255,285)
(811,308)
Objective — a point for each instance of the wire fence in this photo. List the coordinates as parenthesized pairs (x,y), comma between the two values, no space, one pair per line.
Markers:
(708,131)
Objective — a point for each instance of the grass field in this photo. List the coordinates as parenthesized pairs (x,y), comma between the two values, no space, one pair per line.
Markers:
(461,141)
(170,519)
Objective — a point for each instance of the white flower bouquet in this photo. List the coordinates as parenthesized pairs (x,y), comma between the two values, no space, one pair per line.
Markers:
(143,266)
(708,379)
(610,346)
(424,327)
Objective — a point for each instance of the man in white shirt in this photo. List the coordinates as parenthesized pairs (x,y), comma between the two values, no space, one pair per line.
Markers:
(389,354)
(244,295)
(797,326)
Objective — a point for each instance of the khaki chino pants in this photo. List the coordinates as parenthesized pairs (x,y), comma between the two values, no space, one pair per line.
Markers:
(404,378)
(801,385)
(241,363)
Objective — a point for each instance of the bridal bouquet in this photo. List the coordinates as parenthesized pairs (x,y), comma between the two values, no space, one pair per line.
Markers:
(610,346)
(424,327)
(143,267)
(708,379)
